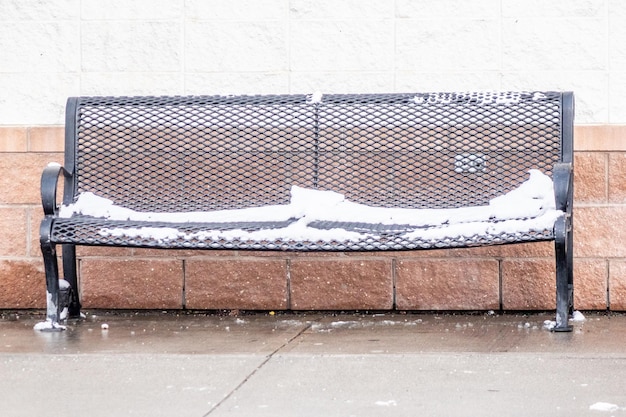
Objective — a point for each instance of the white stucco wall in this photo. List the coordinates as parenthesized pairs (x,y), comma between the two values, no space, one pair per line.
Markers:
(52,49)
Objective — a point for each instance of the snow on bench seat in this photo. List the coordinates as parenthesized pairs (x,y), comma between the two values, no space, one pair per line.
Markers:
(327,216)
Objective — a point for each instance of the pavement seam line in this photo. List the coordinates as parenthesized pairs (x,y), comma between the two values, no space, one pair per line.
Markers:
(258,368)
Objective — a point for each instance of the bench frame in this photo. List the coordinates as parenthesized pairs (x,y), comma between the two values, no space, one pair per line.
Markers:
(60,297)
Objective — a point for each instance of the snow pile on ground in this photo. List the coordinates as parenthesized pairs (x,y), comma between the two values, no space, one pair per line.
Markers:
(529,207)
(577,316)
(48,325)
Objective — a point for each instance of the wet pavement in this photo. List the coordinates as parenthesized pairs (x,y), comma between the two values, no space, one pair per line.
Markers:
(168,364)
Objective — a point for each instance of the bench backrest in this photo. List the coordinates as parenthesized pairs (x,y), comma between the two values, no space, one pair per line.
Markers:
(430,150)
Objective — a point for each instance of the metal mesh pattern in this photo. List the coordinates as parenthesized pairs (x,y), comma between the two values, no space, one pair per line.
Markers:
(90,232)
(435,150)
(431,150)
(194,153)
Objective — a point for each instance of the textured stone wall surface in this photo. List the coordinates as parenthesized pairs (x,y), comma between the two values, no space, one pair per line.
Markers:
(58,48)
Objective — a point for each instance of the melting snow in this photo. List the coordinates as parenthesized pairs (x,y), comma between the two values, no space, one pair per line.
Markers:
(488,97)
(578,316)
(529,207)
(602,406)
(48,325)
(390,403)
(316,98)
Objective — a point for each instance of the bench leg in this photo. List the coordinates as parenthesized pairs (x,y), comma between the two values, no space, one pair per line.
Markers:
(53,307)
(53,288)
(70,275)
(564,274)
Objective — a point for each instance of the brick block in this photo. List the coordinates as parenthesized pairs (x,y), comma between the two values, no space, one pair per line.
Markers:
(447,284)
(131,45)
(262,82)
(348,38)
(58,39)
(415,80)
(545,36)
(343,10)
(23,284)
(617,177)
(100,251)
(520,250)
(617,92)
(21,176)
(343,82)
(540,8)
(523,250)
(590,177)
(46,139)
(135,10)
(528,284)
(13,139)
(617,285)
(13,224)
(128,283)
(210,48)
(461,50)
(596,231)
(181,253)
(237,11)
(480,9)
(600,137)
(34,217)
(37,98)
(336,284)
(590,284)
(134,83)
(250,284)
(16,10)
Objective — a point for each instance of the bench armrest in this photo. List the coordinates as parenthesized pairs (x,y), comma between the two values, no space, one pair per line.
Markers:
(563,186)
(49,181)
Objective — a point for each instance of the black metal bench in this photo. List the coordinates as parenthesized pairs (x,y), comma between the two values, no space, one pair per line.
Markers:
(199,172)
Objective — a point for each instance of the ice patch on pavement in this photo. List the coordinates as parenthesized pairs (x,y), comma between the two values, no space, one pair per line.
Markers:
(360,324)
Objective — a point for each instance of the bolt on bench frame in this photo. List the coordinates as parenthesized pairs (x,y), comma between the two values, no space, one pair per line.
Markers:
(204,153)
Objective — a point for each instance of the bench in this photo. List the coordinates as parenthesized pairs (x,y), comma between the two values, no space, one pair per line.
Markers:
(338,172)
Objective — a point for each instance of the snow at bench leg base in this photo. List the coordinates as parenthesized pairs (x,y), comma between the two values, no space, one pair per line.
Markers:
(53,288)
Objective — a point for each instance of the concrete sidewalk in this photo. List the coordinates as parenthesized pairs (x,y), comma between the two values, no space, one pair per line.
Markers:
(313,365)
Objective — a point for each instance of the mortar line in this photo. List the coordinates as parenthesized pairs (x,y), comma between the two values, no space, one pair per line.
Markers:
(607,278)
(394,266)
(184,289)
(257,369)
(288,277)
(500,286)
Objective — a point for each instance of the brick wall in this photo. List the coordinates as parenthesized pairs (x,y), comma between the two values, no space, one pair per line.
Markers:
(518,277)
(23,154)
